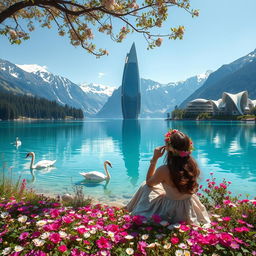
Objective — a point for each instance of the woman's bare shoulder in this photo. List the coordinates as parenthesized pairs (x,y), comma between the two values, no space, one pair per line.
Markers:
(163,169)
(165,173)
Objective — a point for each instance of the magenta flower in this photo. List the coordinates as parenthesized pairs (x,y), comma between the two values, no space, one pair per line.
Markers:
(141,247)
(234,245)
(55,238)
(226,218)
(23,235)
(103,243)
(156,218)
(223,185)
(241,229)
(174,240)
(62,248)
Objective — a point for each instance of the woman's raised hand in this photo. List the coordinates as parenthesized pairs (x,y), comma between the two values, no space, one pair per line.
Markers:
(158,152)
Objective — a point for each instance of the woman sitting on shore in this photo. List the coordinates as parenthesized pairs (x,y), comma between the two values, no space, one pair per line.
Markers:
(170,191)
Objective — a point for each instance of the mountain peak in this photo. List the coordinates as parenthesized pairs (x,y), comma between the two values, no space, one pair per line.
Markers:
(33,68)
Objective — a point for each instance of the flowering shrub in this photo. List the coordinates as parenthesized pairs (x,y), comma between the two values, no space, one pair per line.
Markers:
(49,228)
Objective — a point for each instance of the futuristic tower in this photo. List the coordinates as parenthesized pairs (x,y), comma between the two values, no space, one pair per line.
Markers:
(130,95)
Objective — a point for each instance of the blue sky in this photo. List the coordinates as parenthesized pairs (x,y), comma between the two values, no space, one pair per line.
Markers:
(224,31)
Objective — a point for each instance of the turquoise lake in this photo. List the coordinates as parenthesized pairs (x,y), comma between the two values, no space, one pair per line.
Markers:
(228,149)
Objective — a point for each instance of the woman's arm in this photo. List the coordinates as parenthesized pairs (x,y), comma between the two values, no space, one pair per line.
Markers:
(158,152)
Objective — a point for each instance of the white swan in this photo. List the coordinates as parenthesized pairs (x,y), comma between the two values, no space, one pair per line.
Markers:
(40,164)
(17,142)
(98,176)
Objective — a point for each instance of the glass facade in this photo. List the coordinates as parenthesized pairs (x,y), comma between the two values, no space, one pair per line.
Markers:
(131,99)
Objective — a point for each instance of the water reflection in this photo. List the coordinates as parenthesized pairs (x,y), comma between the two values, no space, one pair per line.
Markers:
(131,148)
(223,147)
(227,145)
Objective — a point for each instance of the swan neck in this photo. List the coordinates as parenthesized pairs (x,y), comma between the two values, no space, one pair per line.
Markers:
(106,170)
(32,161)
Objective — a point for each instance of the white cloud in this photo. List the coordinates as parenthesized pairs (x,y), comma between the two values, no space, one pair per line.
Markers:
(101,74)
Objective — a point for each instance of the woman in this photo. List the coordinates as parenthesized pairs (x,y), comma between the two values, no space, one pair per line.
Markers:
(170,190)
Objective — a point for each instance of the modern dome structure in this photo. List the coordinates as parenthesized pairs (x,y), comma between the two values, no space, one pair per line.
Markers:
(198,106)
(229,104)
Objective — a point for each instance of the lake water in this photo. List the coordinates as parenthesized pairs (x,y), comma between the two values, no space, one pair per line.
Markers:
(225,148)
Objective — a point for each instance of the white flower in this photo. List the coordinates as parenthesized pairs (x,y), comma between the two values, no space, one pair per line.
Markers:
(18,248)
(129,251)
(45,235)
(167,246)
(179,253)
(129,237)
(186,253)
(164,223)
(79,239)
(111,234)
(144,237)
(152,245)
(176,226)
(7,250)
(99,215)
(63,234)
(41,223)
(182,246)
(38,242)
(4,215)
(103,253)
(22,219)
(93,231)
(216,215)
(87,234)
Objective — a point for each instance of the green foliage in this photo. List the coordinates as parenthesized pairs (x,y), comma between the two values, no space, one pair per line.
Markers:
(178,114)
(253,111)
(81,21)
(14,106)
(204,116)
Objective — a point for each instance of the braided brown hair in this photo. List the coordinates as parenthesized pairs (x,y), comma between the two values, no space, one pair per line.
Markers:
(184,171)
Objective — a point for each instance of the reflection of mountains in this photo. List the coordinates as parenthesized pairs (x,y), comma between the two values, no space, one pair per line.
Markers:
(231,145)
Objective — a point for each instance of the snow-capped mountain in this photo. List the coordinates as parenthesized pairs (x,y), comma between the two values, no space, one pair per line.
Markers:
(156,99)
(36,80)
(234,77)
(100,89)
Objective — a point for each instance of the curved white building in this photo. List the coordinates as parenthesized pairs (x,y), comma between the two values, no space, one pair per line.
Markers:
(229,104)
(198,106)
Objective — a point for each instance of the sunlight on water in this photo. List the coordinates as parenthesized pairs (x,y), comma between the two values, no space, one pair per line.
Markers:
(225,148)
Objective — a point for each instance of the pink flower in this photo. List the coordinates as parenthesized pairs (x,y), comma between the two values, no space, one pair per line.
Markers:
(62,248)
(67,219)
(241,229)
(103,243)
(55,238)
(226,219)
(226,202)
(184,228)
(156,218)
(138,219)
(223,185)
(175,240)
(141,247)
(23,235)
(234,245)
(54,213)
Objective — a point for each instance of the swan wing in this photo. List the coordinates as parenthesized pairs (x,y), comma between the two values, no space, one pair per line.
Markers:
(45,163)
(94,175)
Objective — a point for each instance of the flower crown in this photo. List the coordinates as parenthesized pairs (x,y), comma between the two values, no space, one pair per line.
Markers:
(177,152)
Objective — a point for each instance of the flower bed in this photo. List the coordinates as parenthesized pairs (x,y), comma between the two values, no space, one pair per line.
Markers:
(48,228)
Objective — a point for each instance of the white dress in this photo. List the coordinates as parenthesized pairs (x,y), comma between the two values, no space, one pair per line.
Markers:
(167,202)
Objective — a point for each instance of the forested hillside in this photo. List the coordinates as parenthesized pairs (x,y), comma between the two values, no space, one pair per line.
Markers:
(14,106)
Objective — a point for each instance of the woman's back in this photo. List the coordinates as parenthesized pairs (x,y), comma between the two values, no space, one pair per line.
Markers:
(169,191)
